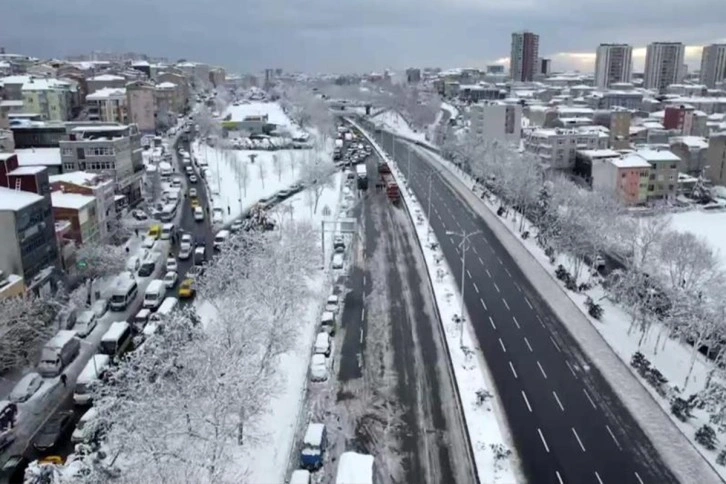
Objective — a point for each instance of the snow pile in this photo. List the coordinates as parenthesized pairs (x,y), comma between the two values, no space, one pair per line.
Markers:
(470,370)
(710,225)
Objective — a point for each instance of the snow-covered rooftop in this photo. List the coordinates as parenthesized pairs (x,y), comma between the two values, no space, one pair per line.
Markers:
(11,103)
(651,155)
(273,110)
(354,468)
(74,201)
(606,153)
(39,156)
(76,178)
(16,199)
(102,127)
(693,142)
(631,160)
(107,77)
(107,93)
(27,170)
(44,84)
(166,85)
(15,79)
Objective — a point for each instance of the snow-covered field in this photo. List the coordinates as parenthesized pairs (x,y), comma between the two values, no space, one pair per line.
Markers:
(669,356)
(274,112)
(266,457)
(470,370)
(707,224)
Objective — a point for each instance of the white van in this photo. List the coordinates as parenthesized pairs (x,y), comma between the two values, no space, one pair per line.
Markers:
(322,344)
(327,322)
(94,371)
(166,308)
(58,353)
(124,292)
(80,433)
(300,476)
(117,339)
(168,212)
(167,230)
(154,294)
(220,239)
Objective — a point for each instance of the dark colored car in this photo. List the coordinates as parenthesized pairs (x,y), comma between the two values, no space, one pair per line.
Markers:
(53,431)
(13,471)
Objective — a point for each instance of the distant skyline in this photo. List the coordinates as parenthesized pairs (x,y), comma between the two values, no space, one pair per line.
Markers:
(366,35)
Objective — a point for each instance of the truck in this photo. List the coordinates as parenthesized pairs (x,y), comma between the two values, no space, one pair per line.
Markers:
(392,190)
(362,176)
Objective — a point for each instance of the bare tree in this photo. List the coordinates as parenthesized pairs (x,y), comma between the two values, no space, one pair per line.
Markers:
(262,171)
(317,174)
(291,161)
(690,263)
(99,260)
(277,164)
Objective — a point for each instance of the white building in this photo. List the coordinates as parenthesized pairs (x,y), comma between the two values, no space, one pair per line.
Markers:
(663,65)
(496,121)
(523,59)
(107,104)
(613,63)
(557,147)
(91,184)
(713,64)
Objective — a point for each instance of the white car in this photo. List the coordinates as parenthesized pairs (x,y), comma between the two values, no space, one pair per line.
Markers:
(171,264)
(193,192)
(338,261)
(198,214)
(218,216)
(85,323)
(26,387)
(192,178)
(149,242)
(100,307)
(186,239)
(318,368)
(189,170)
(332,303)
(170,279)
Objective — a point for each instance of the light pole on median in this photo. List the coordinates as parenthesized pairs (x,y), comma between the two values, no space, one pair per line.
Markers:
(464,245)
(428,209)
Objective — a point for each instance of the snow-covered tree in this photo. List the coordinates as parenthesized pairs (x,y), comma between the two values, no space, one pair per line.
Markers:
(317,175)
(25,323)
(690,262)
(95,260)
(262,173)
(277,165)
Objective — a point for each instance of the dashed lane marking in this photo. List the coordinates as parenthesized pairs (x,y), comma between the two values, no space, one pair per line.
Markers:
(524,395)
(598,477)
(528,303)
(558,400)
(483,304)
(516,323)
(590,399)
(544,442)
(526,341)
(476,288)
(492,322)
(578,439)
(505,303)
(542,370)
(501,343)
(513,371)
(556,345)
(572,370)
(613,437)
(497,287)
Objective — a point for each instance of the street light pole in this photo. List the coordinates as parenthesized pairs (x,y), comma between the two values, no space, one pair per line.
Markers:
(428,210)
(465,236)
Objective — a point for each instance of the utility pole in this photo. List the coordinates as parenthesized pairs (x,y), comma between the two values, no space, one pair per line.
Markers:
(464,245)
(428,209)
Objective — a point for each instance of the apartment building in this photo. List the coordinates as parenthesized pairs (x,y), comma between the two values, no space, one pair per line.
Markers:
(111,149)
(713,65)
(182,85)
(692,151)
(663,178)
(100,187)
(107,105)
(197,72)
(105,81)
(523,57)
(686,120)
(663,65)
(167,103)
(626,176)
(612,99)
(141,105)
(413,75)
(49,98)
(557,147)
(80,212)
(620,121)
(613,64)
(217,76)
(495,121)
(716,158)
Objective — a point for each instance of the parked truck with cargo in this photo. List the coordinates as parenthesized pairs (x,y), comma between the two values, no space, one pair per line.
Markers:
(362,176)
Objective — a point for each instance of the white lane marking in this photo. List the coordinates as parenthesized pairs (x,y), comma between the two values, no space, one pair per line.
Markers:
(476,288)
(588,397)
(524,395)
(474,249)
(598,477)
(496,287)
(507,271)
(500,260)
(578,439)
(517,286)
(480,261)
(558,400)
(468,273)
(505,303)
(513,372)
(559,478)
(487,271)
(491,248)
(544,442)
(361,335)
(502,345)
(542,370)
(540,320)
(483,304)
(637,476)
(492,321)
(528,303)
(526,341)
(451,239)
(556,345)
(516,323)
(613,436)
(571,369)
(363,313)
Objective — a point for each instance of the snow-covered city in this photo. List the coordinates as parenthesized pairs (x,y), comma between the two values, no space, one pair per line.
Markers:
(346,270)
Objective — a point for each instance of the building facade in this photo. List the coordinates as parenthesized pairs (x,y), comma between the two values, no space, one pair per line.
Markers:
(663,65)
(692,151)
(625,176)
(104,81)
(101,188)
(107,105)
(716,158)
(713,65)
(613,64)
(523,59)
(141,105)
(496,121)
(50,98)
(413,75)
(663,178)
(80,212)
(557,147)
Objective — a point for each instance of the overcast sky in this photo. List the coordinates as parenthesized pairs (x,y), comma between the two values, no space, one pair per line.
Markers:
(354,35)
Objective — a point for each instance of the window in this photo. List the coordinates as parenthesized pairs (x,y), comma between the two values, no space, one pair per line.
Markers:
(67,151)
(100,151)
(673,166)
(670,187)
(651,188)
(622,175)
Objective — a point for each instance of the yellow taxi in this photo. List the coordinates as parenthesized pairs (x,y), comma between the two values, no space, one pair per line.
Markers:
(194,202)
(155,231)
(52,459)
(186,289)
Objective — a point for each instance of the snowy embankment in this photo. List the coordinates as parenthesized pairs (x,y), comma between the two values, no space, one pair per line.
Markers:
(707,224)
(453,112)
(395,122)
(266,457)
(613,340)
(485,423)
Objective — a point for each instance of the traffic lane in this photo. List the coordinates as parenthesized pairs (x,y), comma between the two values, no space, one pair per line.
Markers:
(623,424)
(351,325)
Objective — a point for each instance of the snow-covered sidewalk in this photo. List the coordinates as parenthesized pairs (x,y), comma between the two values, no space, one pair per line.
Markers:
(606,343)
(485,422)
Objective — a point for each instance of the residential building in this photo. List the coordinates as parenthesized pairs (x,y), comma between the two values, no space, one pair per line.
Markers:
(663,65)
(585,160)
(713,65)
(38,134)
(111,149)
(11,285)
(692,151)
(50,98)
(496,69)
(480,92)
(182,86)
(198,73)
(48,158)
(545,67)
(686,120)
(716,158)
(27,240)
(620,129)
(7,107)
(97,186)
(108,105)
(7,143)
(613,64)
(167,102)
(557,147)
(496,121)
(104,81)
(626,176)
(413,75)
(13,87)
(523,57)
(81,212)
(141,105)
(663,178)
(143,67)
(217,76)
